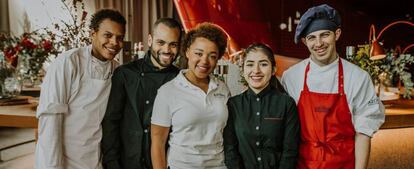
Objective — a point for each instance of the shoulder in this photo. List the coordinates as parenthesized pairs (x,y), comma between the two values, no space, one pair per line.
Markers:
(168,88)
(354,72)
(293,71)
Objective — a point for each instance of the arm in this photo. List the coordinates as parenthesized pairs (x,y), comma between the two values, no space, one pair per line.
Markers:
(53,104)
(362,150)
(368,116)
(111,138)
(232,157)
(291,137)
(159,137)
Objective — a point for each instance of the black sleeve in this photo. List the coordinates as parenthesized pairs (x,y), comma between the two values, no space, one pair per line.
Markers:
(111,123)
(291,137)
(231,152)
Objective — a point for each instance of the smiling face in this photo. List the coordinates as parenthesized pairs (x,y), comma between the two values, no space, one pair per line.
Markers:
(257,70)
(202,58)
(107,40)
(164,45)
(322,45)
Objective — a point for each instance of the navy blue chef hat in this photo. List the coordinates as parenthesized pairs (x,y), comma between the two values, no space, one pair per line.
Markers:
(317,18)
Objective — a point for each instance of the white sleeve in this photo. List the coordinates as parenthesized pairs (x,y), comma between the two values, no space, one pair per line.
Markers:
(53,104)
(50,142)
(55,89)
(161,113)
(368,111)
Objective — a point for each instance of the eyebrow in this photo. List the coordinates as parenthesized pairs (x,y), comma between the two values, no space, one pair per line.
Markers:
(264,60)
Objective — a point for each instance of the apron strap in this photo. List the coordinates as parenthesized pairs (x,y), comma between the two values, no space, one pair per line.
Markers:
(305,84)
(340,78)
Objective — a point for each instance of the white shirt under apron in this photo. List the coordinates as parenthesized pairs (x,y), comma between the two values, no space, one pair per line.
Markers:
(72,104)
(197,121)
(366,108)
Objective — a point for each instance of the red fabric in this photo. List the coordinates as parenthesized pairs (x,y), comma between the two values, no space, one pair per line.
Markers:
(327,133)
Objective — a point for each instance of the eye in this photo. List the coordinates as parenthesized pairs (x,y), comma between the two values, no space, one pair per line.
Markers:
(213,57)
(107,35)
(198,54)
(160,43)
(264,64)
(173,45)
(324,35)
(310,38)
(120,38)
(249,65)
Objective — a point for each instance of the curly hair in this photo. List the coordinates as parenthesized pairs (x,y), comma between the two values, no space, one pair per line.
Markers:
(209,31)
(103,14)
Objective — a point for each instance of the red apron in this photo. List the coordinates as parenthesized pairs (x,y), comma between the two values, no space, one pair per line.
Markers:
(327,133)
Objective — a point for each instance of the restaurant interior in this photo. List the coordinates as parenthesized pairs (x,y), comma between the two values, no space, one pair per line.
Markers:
(371,29)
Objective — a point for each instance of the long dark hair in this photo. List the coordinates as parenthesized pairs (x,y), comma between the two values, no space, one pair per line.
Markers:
(274,82)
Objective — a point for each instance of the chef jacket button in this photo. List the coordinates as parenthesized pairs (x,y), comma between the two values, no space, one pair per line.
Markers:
(146,131)
(258,99)
(142,74)
(257,127)
(146,101)
(259,159)
(258,113)
(257,143)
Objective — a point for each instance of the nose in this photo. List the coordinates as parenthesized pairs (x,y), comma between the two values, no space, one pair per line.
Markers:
(114,41)
(318,41)
(256,68)
(166,48)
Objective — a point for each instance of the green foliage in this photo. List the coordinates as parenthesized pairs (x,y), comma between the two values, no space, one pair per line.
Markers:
(393,66)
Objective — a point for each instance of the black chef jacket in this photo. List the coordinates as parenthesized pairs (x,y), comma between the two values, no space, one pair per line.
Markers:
(262,131)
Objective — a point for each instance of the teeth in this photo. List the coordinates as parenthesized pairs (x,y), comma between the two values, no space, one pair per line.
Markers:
(256,77)
(111,50)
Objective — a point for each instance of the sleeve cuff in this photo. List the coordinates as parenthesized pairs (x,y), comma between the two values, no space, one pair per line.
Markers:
(52,108)
(162,123)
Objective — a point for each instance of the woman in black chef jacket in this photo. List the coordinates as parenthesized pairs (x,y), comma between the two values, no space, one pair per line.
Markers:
(263,126)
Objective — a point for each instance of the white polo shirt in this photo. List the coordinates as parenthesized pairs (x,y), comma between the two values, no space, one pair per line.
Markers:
(197,121)
(366,109)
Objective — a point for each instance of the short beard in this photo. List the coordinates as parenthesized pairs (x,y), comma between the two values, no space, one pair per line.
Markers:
(156,56)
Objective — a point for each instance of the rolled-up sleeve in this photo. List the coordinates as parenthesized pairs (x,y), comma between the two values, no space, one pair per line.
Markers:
(56,88)
(53,104)
(368,111)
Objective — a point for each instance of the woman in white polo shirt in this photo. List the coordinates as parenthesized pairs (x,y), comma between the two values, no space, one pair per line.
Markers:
(193,106)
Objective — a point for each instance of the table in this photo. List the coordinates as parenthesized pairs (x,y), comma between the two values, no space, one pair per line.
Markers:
(399,114)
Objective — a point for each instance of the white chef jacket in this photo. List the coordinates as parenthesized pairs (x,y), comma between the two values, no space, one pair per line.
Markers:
(366,108)
(197,120)
(72,104)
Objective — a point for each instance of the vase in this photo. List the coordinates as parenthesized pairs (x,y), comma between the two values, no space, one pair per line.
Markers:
(10,85)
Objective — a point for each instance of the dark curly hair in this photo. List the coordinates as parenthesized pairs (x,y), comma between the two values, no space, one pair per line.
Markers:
(209,31)
(103,14)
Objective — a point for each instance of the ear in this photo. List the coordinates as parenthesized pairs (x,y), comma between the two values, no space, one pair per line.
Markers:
(303,41)
(186,53)
(338,33)
(93,33)
(274,69)
(149,40)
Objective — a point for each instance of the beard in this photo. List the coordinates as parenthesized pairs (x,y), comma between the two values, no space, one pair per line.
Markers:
(156,56)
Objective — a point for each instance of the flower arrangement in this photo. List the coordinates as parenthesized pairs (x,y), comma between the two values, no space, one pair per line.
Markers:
(74,33)
(393,66)
(28,52)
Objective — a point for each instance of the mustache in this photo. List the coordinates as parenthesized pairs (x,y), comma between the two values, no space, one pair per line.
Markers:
(164,53)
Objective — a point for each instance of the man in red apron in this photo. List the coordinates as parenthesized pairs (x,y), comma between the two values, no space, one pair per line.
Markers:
(338,108)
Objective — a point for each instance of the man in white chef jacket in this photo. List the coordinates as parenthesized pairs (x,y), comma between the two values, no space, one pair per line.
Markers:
(74,95)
